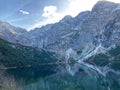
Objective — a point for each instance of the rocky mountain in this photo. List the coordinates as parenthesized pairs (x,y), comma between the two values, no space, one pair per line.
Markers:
(58,36)
(86,31)
(90,29)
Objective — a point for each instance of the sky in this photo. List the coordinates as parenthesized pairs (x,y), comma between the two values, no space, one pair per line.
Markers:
(30,14)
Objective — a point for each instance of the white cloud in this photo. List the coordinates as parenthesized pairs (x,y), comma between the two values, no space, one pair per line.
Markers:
(76,6)
(24,12)
(49,11)
(116,1)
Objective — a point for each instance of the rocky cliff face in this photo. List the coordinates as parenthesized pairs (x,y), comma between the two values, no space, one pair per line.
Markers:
(89,29)
(57,36)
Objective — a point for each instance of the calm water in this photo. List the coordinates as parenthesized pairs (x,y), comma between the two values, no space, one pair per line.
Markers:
(31,79)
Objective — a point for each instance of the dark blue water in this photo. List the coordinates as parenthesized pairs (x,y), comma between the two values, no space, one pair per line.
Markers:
(31,79)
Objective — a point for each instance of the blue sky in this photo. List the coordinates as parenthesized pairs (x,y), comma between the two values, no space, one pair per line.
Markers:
(27,13)
(30,14)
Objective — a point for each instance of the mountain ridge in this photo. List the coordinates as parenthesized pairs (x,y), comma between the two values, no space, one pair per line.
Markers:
(89,28)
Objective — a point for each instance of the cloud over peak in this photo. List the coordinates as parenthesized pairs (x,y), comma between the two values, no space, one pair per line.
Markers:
(49,11)
(51,16)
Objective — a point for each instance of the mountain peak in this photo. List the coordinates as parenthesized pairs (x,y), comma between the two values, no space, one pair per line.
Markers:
(66,18)
(104,5)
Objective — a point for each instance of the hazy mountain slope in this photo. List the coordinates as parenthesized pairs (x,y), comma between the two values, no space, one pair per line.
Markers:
(13,34)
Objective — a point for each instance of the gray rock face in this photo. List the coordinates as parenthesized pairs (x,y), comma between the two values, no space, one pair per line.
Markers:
(55,36)
(100,26)
(88,29)
(107,17)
